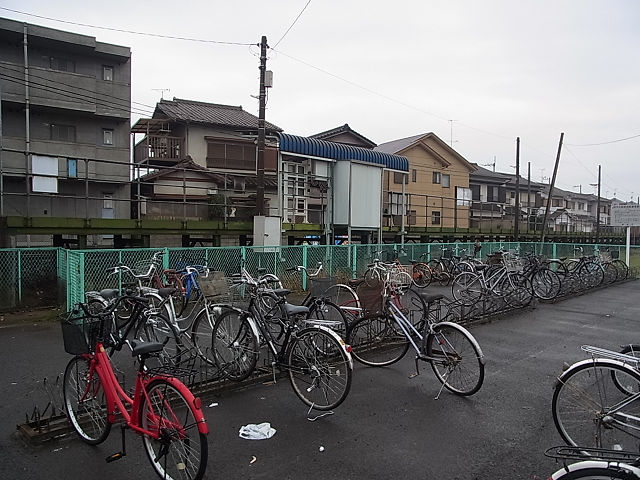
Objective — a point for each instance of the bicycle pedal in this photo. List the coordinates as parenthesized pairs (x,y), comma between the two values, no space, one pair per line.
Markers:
(114,457)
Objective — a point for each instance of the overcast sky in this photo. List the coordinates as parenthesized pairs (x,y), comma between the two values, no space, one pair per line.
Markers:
(476,73)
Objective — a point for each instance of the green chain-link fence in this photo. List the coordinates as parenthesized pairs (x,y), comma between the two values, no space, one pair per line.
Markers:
(48,276)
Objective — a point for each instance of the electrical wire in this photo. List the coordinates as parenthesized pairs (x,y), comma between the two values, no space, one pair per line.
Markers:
(20,70)
(605,143)
(291,26)
(80,96)
(132,32)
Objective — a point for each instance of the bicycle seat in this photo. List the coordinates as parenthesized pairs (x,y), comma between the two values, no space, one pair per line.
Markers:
(481,266)
(295,309)
(167,291)
(281,292)
(354,282)
(109,293)
(430,298)
(139,348)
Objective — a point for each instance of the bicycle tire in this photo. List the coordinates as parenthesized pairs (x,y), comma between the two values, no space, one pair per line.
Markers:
(439,272)
(372,277)
(634,351)
(467,288)
(413,308)
(235,345)
(346,298)
(610,273)
(590,472)
(320,368)
(461,369)
(85,401)
(582,401)
(180,451)
(158,328)
(521,291)
(322,312)
(546,284)
(623,269)
(376,340)
(421,275)
(202,331)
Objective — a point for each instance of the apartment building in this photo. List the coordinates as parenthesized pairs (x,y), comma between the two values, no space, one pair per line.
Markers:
(66,103)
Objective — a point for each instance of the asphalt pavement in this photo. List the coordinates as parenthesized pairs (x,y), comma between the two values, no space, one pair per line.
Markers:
(390,426)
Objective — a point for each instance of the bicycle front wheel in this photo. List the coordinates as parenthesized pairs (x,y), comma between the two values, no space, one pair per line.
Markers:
(174,445)
(546,284)
(457,360)
(85,401)
(587,471)
(591,410)
(421,275)
(467,288)
(158,328)
(376,340)
(235,345)
(319,368)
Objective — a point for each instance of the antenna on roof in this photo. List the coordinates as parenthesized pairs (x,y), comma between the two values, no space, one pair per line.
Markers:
(161,90)
(490,164)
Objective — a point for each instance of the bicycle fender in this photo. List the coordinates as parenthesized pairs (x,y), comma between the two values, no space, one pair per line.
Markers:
(254,326)
(339,339)
(588,464)
(192,400)
(601,361)
(472,339)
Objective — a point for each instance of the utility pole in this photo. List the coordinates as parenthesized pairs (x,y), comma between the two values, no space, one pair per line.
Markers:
(598,207)
(261,129)
(516,226)
(551,185)
(528,196)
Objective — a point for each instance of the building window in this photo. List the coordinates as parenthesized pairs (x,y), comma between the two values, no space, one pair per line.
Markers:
(107,200)
(233,156)
(414,175)
(72,168)
(556,202)
(107,73)
(475,192)
(435,218)
(62,64)
(399,177)
(63,133)
(239,184)
(446,180)
(437,177)
(107,136)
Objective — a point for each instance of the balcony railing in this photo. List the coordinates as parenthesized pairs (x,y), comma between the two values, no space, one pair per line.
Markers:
(159,150)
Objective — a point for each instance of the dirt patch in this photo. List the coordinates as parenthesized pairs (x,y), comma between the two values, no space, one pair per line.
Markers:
(29,316)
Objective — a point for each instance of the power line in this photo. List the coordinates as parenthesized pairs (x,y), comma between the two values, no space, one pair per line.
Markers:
(291,26)
(605,143)
(67,94)
(121,101)
(132,32)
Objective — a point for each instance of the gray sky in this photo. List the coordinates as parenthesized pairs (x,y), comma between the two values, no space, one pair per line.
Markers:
(476,73)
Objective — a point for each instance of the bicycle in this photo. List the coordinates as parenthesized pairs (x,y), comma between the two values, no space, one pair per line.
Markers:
(161,409)
(601,464)
(316,358)
(493,281)
(384,337)
(596,401)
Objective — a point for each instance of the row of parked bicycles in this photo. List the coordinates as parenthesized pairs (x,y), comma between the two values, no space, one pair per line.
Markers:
(170,318)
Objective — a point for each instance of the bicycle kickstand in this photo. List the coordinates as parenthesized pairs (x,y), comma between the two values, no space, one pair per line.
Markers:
(123,453)
(417,372)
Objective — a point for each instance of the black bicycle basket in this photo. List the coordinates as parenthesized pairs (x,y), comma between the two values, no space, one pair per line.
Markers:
(79,332)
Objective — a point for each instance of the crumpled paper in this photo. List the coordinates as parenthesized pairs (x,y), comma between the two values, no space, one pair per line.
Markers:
(260,431)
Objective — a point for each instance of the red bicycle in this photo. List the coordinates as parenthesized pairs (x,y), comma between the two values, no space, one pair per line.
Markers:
(162,410)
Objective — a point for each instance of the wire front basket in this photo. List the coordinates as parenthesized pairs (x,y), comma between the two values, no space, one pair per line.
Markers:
(319,285)
(370,297)
(214,285)
(79,332)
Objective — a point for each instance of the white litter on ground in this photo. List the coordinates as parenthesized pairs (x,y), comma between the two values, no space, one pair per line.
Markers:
(260,431)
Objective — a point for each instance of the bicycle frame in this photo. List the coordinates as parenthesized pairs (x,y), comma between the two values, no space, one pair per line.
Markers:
(118,400)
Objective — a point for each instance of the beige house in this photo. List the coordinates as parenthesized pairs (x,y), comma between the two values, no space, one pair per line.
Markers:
(435,193)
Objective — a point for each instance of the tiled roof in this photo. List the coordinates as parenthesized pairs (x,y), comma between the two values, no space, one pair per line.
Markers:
(327,135)
(180,110)
(397,145)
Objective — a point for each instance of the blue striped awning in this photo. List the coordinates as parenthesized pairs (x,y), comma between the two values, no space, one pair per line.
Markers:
(339,151)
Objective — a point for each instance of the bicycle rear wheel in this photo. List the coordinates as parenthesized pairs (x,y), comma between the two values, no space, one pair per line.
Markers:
(586,471)
(158,328)
(376,340)
(176,448)
(319,368)
(327,314)
(459,362)
(421,275)
(591,410)
(235,345)
(623,269)
(346,298)
(85,401)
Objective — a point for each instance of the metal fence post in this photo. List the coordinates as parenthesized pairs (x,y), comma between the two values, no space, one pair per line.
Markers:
(554,250)
(354,261)
(305,252)
(20,277)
